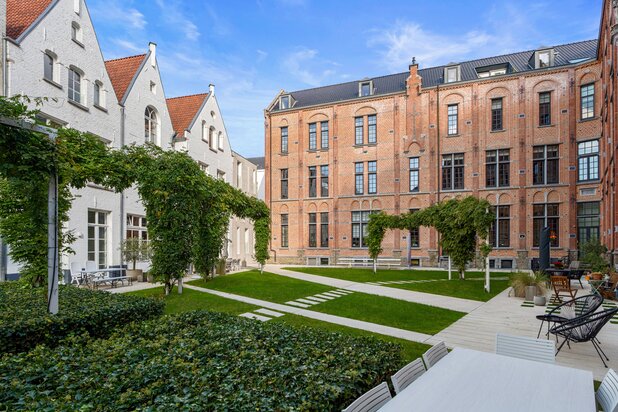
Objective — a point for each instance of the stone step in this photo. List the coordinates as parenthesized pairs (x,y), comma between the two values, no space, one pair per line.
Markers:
(255,316)
(269,312)
(308,302)
(297,304)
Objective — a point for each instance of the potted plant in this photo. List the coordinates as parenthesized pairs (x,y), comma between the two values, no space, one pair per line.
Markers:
(594,253)
(529,285)
(135,250)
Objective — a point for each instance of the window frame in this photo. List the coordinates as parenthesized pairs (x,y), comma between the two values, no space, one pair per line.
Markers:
(496,230)
(372,177)
(313,177)
(372,129)
(49,66)
(151,118)
(455,172)
(457,71)
(324,189)
(359,130)
(590,160)
(72,83)
(361,86)
(544,163)
(285,98)
(589,99)
(313,230)
(284,179)
(414,172)
(544,109)
(313,136)
(452,119)
(498,168)
(497,114)
(284,230)
(359,178)
(284,139)
(548,220)
(324,135)
(324,229)
(360,223)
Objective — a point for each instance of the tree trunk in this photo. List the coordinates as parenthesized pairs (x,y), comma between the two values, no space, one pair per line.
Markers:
(168,288)
(375,266)
(462,274)
(180,286)
(261,268)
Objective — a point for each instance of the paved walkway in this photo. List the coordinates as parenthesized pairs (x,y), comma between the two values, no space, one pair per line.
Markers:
(339,320)
(446,302)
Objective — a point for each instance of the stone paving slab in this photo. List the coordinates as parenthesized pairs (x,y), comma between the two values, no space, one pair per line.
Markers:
(255,316)
(269,312)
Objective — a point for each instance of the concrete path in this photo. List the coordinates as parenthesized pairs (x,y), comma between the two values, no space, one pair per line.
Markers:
(446,302)
(339,320)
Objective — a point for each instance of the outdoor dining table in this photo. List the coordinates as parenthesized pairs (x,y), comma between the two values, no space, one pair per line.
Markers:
(469,380)
(89,275)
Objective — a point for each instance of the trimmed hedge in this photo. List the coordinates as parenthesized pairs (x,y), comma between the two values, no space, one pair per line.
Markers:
(24,322)
(199,361)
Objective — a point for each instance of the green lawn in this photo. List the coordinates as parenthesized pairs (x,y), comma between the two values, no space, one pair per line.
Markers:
(265,286)
(465,289)
(371,308)
(194,300)
(383,275)
(390,312)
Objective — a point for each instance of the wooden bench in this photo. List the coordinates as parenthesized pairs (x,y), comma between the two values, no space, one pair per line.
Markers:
(368,262)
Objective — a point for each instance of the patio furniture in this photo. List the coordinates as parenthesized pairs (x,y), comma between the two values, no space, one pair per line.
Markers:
(408,374)
(371,400)
(562,285)
(469,380)
(111,275)
(584,329)
(607,288)
(77,270)
(576,271)
(580,306)
(607,394)
(434,354)
(523,347)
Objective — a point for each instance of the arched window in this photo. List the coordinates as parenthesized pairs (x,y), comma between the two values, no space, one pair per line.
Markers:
(212,143)
(151,125)
(49,66)
(76,92)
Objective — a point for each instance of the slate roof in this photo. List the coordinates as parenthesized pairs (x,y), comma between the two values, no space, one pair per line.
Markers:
(183,110)
(122,71)
(258,161)
(20,14)
(433,76)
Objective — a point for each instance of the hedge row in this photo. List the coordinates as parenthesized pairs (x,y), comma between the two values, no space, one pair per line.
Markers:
(198,361)
(24,322)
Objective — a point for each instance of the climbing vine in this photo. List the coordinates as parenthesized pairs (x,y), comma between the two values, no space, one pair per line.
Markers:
(463,224)
(188,212)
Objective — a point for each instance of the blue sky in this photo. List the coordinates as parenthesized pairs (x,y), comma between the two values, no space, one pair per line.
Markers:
(250,49)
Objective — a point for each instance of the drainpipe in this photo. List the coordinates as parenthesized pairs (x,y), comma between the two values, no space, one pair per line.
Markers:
(122,217)
(270,180)
(4,250)
(438,168)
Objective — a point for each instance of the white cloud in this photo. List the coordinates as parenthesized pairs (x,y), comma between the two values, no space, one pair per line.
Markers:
(126,45)
(407,39)
(172,13)
(117,12)
(304,65)
(261,55)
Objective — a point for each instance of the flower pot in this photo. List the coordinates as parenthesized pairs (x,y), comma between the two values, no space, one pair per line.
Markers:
(540,300)
(596,276)
(530,293)
(135,274)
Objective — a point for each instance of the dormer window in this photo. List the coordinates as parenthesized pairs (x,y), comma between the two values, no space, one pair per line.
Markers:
(544,58)
(484,72)
(365,89)
(284,102)
(451,74)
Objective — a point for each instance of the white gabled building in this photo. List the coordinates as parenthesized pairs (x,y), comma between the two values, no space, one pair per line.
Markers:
(52,51)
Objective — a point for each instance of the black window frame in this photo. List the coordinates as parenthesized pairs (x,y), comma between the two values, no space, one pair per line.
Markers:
(313,230)
(324,135)
(372,129)
(359,178)
(500,230)
(413,164)
(545,109)
(498,168)
(313,136)
(284,139)
(452,119)
(284,183)
(588,161)
(586,101)
(372,177)
(588,222)
(323,229)
(360,223)
(324,181)
(284,230)
(415,234)
(313,181)
(497,123)
(546,214)
(545,165)
(359,132)
(453,168)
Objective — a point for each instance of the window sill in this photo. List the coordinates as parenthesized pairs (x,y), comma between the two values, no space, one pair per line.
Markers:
(453,135)
(497,131)
(545,184)
(53,83)
(283,153)
(588,119)
(498,187)
(588,182)
(79,43)
(454,190)
(213,150)
(543,126)
(101,108)
(221,150)
(78,105)
(365,145)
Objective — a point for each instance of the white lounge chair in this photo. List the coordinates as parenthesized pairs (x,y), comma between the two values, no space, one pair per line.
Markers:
(607,395)
(371,400)
(523,347)
(408,374)
(434,354)
(76,273)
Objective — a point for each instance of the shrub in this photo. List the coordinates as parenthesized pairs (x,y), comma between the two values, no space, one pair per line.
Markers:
(199,361)
(594,253)
(25,323)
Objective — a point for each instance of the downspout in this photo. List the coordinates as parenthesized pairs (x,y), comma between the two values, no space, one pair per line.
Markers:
(122,217)
(4,250)
(270,181)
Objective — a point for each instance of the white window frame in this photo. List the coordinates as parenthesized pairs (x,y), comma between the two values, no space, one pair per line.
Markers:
(101,263)
(537,58)
(72,83)
(286,98)
(151,123)
(368,83)
(77,33)
(457,69)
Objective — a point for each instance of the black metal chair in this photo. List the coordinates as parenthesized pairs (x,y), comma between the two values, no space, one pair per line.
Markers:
(582,306)
(584,329)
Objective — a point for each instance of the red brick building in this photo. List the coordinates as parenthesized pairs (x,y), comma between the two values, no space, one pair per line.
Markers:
(521,130)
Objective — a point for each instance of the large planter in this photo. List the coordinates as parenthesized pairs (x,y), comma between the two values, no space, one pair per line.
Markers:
(540,300)
(530,293)
(135,274)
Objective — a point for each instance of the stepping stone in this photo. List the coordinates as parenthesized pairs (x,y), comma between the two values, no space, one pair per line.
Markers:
(347,292)
(334,292)
(322,296)
(297,304)
(331,294)
(308,302)
(254,316)
(269,312)
(316,300)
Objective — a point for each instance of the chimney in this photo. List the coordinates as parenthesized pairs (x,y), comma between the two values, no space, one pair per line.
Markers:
(211,89)
(153,53)
(414,81)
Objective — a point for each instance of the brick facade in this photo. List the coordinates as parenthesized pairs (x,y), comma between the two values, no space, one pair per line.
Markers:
(413,123)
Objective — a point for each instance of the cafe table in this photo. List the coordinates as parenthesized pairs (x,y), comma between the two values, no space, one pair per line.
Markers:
(469,380)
